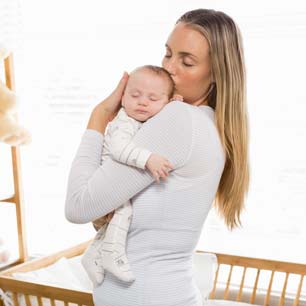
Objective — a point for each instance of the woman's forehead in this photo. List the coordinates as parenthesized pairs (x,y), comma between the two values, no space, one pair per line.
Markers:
(184,39)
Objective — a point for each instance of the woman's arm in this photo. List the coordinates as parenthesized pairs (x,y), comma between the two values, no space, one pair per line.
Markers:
(94,190)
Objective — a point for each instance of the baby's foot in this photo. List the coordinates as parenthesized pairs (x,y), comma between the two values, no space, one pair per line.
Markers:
(115,261)
(92,260)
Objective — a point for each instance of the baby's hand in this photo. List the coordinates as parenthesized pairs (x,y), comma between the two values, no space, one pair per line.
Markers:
(158,166)
(177,98)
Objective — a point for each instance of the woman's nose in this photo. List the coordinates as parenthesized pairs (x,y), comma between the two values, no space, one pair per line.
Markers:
(170,66)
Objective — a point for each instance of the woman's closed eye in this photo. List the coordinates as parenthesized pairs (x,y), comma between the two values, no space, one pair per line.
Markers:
(183,61)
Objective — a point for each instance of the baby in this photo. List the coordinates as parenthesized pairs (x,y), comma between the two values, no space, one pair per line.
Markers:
(148,90)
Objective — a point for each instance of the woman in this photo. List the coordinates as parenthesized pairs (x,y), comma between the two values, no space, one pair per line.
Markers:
(206,140)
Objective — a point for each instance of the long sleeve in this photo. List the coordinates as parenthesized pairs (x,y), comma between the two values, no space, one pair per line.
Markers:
(94,190)
(122,148)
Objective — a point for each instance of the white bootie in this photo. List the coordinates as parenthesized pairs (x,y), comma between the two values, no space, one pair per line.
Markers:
(92,259)
(113,249)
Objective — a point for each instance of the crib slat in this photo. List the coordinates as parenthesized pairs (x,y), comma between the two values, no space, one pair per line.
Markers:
(228,283)
(298,293)
(267,298)
(15,299)
(52,302)
(27,299)
(252,300)
(282,299)
(66,303)
(1,302)
(39,301)
(212,294)
(241,286)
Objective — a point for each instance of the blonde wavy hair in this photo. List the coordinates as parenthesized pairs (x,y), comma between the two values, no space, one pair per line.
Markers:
(227,95)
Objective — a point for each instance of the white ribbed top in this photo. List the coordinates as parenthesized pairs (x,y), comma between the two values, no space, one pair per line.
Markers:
(167,217)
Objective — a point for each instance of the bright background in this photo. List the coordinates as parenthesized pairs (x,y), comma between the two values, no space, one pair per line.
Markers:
(69,55)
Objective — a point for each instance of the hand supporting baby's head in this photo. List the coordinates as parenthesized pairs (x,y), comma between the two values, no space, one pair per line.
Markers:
(148,90)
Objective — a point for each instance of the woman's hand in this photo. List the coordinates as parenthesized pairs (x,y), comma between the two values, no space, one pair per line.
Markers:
(177,97)
(106,110)
(98,223)
(112,103)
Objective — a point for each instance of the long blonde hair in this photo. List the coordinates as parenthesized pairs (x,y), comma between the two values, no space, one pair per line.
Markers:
(227,95)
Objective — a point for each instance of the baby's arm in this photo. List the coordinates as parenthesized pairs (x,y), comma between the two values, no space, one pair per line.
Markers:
(123,149)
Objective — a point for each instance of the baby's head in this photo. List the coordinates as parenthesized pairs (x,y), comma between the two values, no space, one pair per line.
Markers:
(148,90)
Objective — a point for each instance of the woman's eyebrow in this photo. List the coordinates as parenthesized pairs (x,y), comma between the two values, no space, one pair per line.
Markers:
(183,53)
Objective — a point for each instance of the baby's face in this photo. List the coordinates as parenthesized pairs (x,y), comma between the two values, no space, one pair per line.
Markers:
(145,95)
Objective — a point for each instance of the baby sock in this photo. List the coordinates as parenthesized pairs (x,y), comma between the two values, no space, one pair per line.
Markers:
(113,249)
(92,259)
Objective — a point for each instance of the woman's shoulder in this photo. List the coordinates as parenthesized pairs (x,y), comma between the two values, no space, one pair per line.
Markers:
(178,105)
(173,115)
(175,110)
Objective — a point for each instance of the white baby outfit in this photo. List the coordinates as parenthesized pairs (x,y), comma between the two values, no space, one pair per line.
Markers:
(107,251)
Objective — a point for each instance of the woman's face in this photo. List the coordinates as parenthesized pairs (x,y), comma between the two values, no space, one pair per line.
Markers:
(187,60)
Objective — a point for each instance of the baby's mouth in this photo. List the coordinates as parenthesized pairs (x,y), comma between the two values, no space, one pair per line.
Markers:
(141,111)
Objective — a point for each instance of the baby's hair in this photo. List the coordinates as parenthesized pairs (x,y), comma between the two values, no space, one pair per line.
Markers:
(161,72)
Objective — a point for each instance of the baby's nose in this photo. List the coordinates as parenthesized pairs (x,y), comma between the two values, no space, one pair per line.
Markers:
(143,101)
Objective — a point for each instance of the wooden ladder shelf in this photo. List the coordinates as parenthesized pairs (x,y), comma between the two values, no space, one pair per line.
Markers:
(17,197)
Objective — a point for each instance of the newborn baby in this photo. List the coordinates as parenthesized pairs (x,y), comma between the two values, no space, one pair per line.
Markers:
(148,90)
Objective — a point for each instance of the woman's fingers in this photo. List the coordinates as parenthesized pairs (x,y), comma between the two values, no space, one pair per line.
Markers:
(119,90)
(113,102)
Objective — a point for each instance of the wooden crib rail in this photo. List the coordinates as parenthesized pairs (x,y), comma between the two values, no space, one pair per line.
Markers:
(260,265)
(39,291)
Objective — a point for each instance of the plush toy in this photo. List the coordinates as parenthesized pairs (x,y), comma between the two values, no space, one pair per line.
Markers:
(4,254)
(11,132)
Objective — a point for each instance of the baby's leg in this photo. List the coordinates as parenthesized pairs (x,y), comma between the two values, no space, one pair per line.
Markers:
(92,259)
(114,244)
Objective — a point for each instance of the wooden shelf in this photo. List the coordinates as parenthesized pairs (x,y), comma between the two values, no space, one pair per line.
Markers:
(7,198)
(17,197)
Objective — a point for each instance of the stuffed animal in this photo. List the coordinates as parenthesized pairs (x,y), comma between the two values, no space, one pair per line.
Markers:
(11,132)
(4,254)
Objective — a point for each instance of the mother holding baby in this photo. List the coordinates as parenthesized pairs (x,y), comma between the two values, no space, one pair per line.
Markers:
(204,138)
